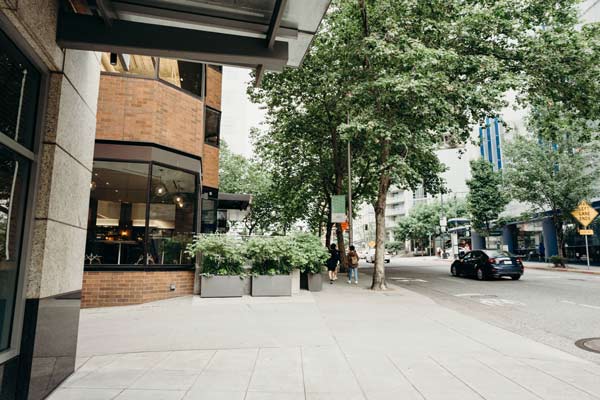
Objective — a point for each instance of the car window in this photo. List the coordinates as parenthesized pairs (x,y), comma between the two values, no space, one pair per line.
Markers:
(468,256)
(498,254)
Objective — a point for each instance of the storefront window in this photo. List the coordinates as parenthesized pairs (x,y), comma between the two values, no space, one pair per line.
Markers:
(123,230)
(171,224)
(212,126)
(209,210)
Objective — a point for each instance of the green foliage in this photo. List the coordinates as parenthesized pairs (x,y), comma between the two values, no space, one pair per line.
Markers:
(424,220)
(307,253)
(270,255)
(221,254)
(238,174)
(557,261)
(487,196)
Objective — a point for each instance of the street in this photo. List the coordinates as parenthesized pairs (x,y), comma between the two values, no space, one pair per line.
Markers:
(554,308)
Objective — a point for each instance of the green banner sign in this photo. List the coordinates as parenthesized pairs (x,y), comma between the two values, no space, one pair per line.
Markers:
(338,208)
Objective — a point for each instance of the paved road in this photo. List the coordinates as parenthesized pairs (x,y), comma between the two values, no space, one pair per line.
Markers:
(555,308)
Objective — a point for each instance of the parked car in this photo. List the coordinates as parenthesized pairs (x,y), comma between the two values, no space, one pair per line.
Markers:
(488,264)
(371,256)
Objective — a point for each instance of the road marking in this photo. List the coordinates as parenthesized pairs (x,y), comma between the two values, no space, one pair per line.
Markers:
(500,302)
(580,305)
(468,294)
(408,280)
(454,280)
(589,306)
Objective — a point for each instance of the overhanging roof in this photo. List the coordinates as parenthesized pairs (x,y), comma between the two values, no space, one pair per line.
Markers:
(262,34)
(234,201)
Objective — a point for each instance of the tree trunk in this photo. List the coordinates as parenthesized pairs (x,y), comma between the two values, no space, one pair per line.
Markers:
(558,228)
(328,229)
(341,248)
(384,185)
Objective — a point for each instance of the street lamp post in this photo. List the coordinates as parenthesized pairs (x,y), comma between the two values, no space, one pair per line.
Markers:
(350,241)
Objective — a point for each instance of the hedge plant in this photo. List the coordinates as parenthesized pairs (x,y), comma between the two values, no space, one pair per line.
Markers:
(308,253)
(221,254)
(270,255)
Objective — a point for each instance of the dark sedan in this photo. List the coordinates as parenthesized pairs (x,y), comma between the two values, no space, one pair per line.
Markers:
(488,264)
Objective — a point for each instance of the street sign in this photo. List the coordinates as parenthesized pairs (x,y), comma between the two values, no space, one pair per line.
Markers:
(443,221)
(588,232)
(371,244)
(338,208)
(345,225)
(584,213)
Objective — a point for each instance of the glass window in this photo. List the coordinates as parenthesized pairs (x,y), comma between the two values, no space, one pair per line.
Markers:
(171,223)
(14,172)
(209,210)
(117,216)
(212,126)
(144,66)
(19,85)
(183,74)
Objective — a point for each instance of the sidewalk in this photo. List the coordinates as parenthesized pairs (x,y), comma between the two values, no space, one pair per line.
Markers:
(344,343)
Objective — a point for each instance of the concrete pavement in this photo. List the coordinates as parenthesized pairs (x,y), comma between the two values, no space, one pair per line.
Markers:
(345,342)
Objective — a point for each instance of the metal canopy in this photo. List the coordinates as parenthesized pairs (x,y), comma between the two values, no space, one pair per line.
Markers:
(271,34)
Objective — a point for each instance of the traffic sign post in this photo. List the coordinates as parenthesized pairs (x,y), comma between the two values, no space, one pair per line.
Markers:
(585,214)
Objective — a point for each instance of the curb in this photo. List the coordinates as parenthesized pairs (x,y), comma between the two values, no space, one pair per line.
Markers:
(580,271)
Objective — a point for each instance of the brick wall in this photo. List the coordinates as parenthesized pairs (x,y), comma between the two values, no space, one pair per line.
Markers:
(119,288)
(148,110)
(213,87)
(210,166)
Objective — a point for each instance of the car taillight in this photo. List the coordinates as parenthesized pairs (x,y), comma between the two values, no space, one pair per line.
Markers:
(519,261)
(492,260)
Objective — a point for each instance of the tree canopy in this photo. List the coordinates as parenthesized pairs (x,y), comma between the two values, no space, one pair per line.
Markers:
(487,196)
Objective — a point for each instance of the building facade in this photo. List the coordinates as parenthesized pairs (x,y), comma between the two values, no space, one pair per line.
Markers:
(77,111)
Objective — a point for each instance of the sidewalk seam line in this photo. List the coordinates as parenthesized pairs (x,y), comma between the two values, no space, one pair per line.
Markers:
(509,379)
(405,377)
(253,371)
(457,377)
(201,372)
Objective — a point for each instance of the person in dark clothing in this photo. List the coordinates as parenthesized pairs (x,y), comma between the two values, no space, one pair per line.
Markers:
(332,262)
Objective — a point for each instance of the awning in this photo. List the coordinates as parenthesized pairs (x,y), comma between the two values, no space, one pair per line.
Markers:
(234,201)
(261,34)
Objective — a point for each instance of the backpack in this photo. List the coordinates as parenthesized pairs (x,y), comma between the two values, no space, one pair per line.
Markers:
(353,259)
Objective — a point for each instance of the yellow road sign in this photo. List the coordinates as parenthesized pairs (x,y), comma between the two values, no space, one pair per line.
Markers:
(584,213)
(371,244)
(588,232)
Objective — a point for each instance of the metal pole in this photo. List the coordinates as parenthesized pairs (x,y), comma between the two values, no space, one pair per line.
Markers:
(587,253)
(350,242)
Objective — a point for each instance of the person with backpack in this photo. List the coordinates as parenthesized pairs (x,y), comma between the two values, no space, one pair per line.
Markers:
(332,262)
(352,265)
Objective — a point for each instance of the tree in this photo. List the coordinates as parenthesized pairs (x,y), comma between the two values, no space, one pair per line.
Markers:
(487,197)
(237,174)
(423,222)
(553,175)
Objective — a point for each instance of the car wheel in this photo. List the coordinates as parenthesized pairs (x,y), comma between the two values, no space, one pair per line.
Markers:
(480,274)
(515,277)
(453,270)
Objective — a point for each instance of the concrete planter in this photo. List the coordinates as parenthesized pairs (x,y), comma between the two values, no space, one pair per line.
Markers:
(222,286)
(272,285)
(315,282)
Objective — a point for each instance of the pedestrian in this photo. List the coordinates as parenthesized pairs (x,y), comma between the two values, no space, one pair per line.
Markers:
(352,265)
(332,262)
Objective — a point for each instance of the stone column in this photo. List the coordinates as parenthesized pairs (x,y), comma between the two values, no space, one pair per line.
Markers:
(550,240)
(508,237)
(477,241)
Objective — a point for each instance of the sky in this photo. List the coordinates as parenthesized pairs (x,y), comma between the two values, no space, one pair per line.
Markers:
(239,114)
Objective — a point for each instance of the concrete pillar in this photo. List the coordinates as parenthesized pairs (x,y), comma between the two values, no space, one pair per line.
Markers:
(508,237)
(477,241)
(550,241)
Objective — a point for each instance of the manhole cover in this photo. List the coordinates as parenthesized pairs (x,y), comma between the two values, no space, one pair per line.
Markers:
(589,344)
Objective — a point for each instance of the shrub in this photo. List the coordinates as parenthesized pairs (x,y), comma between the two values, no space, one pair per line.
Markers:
(270,256)
(308,253)
(221,255)
(557,261)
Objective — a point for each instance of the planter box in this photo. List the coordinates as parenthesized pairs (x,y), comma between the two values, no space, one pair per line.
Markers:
(275,285)
(221,286)
(312,282)
(315,282)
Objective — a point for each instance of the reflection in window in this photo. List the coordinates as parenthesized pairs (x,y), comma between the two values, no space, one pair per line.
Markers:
(183,74)
(19,83)
(212,126)
(171,224)
(119,214)
(13,182)
(209,210)
(134,65)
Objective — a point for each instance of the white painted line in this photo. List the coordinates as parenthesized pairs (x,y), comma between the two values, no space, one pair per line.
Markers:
(408,280)
(455,280)
(568,302)
(500,302)
(468,294)
(589,306)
